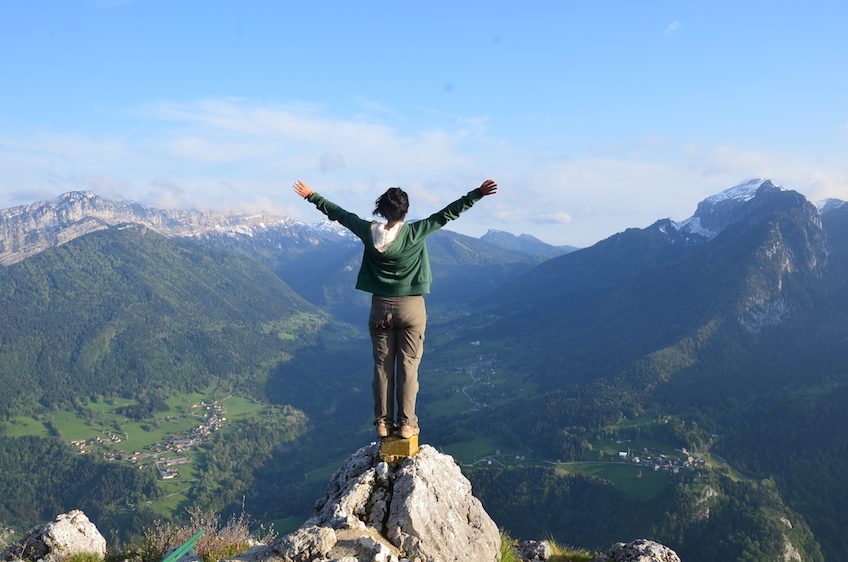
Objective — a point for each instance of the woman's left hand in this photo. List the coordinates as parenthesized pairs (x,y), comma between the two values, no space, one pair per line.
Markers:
(302,189)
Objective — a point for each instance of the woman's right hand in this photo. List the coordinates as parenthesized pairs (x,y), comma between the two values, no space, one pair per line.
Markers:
(489,187)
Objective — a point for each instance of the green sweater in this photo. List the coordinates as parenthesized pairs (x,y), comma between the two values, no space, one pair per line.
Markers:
(404,268)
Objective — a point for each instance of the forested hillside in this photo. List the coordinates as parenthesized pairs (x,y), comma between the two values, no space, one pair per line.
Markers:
(126,313)
(130,313)
(718,519)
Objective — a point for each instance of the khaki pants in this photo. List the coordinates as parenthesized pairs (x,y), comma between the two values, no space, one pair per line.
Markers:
(397,327)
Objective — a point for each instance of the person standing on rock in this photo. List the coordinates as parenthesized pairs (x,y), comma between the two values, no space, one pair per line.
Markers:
(396,271)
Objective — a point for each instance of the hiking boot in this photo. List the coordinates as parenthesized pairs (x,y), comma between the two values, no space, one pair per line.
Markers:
(407,431)
(382,429)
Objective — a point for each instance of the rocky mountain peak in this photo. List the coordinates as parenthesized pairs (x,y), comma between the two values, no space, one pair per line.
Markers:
(757,202)
(718,211)
(790,239)
(827,205)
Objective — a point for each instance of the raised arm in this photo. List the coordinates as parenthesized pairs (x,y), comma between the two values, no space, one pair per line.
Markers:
(334,212)
(436,221)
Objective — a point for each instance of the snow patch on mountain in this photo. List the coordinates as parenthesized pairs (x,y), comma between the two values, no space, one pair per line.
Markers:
(693,225)
(830,204)
(330,227)
(745,191)
(713,212)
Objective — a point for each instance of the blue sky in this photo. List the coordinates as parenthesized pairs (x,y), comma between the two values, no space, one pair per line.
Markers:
(592,116)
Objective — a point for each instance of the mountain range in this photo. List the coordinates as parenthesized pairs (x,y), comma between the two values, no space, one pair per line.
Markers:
(711,331)
(728,319)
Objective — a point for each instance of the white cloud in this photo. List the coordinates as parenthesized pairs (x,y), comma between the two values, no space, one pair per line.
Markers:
(217,150)
(511,215)
(557,217)
(732,160)
(234,154)
(672,27)
(167,194)
(227,131)
(828,185)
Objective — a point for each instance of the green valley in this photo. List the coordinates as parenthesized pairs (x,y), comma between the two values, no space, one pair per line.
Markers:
(177,445)
(660,383)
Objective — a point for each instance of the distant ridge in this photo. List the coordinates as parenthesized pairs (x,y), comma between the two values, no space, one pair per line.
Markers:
(525,243)
(30,229)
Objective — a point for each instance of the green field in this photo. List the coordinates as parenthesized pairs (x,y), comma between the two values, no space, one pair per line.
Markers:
(625,477)
(612,448)
(25,425)
(484,383)
(467,452)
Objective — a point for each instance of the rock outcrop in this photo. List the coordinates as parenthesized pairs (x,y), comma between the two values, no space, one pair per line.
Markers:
(421,508)
(68,534)
(641,550)
(534,551)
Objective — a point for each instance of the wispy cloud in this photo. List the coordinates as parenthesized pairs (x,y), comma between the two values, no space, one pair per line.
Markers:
(672,27)
(732,160)
(282,131)
(557,218)
(829,185)
(331,161)
(236,154)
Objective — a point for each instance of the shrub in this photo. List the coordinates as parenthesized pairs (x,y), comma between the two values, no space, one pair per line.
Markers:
(216,542)
(560,553)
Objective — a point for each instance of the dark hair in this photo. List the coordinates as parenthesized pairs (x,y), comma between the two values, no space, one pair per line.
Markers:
(392,205)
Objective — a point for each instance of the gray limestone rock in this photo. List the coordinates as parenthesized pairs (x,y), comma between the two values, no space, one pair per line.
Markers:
(641,550)
(68,534)
(190,556)
(534,551)
(420,508)
(434,515)
(305,544)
